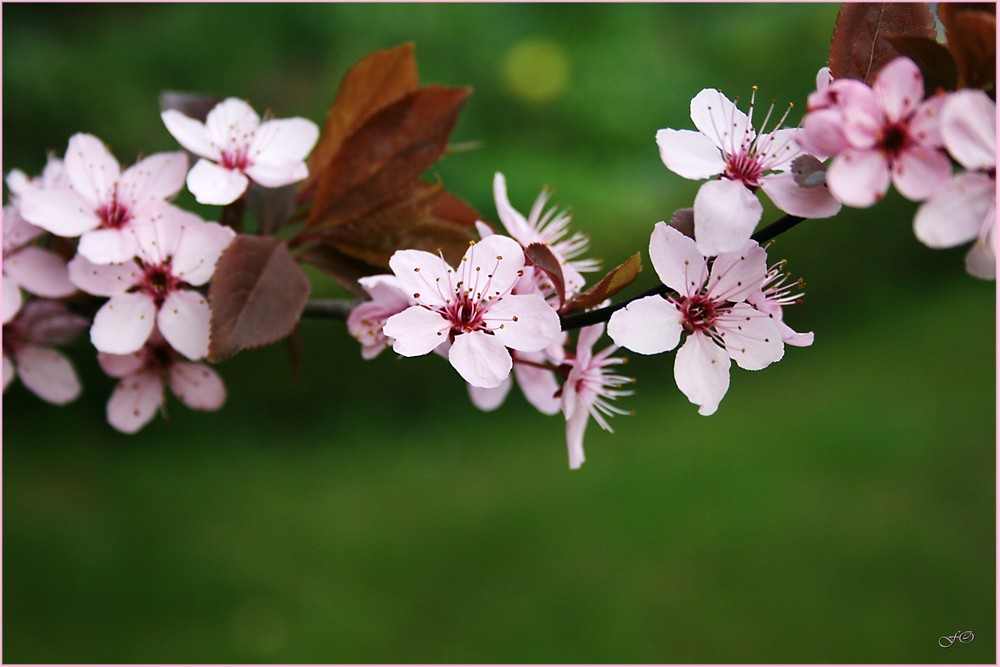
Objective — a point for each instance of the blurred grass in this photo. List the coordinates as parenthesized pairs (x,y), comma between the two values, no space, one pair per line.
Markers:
(838,508)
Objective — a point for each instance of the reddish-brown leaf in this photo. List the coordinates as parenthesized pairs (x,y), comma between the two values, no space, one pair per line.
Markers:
(342,268)
(409,223)
(615,281)
(934,60)
(859,48)
(541,256)
(971,30)
(372,84)
(257,294)
(384,157)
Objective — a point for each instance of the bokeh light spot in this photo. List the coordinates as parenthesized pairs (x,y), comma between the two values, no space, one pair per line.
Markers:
(536,70)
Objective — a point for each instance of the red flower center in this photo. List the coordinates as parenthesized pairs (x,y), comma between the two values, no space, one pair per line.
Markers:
(698,313)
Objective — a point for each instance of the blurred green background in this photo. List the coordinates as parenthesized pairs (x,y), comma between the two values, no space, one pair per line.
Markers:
(839,507)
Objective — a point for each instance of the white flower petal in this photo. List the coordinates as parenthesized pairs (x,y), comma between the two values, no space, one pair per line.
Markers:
(650,325)
(538,385)
(12,300)
(676,259)
(919,172)
(859,178)
(92,170)
(48,374)
(190,133)
(752,338)
(515,223)
(197,386)
(283,141)
(899,87)
(792,198)
(231,123)
(215,185)
(157,177)
(576,426)
(107,246)
(725,215)
(198,249)
(737,274)
(123,324)
(701,370)
(41,272)
(416,331)
(103,279)
(480,359)
(955,214)
(62,212)
(423,277)
(490,399)
(969,127)
(689,154)
(523,322)
(135,401)
(717,118)
(277,174)
(184,321)
(120,365)
(491,266)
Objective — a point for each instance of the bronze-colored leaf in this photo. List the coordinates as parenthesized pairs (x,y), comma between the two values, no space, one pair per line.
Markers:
(385,156)
(542,257)
(374,83)
(615,281)
(859,48)
(410,223)
(971,30)
(257,295)
(934,60)
(342,268)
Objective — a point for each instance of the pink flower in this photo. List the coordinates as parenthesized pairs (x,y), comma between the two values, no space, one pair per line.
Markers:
(879,134)
(367,318)
(139,393)
(548,228)
(471,308)
(33,269)
(965,208)
(155,288)
(28,350)
(710,307)
(588,389)
(103,204)
(727,210)
(239,147)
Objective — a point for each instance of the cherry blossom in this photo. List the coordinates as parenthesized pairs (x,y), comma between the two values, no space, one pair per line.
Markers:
(235,147)
(33,269)
(367,319)
(965,208)
(879,134)
(471,309)
(548,227)
(103,204)
(710,307)
(727,210)
(28,350)
(174,255)
(588,389)
(139,393)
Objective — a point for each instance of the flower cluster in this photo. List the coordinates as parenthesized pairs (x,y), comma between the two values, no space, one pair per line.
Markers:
(887,133)
(127,242)
(495,315)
